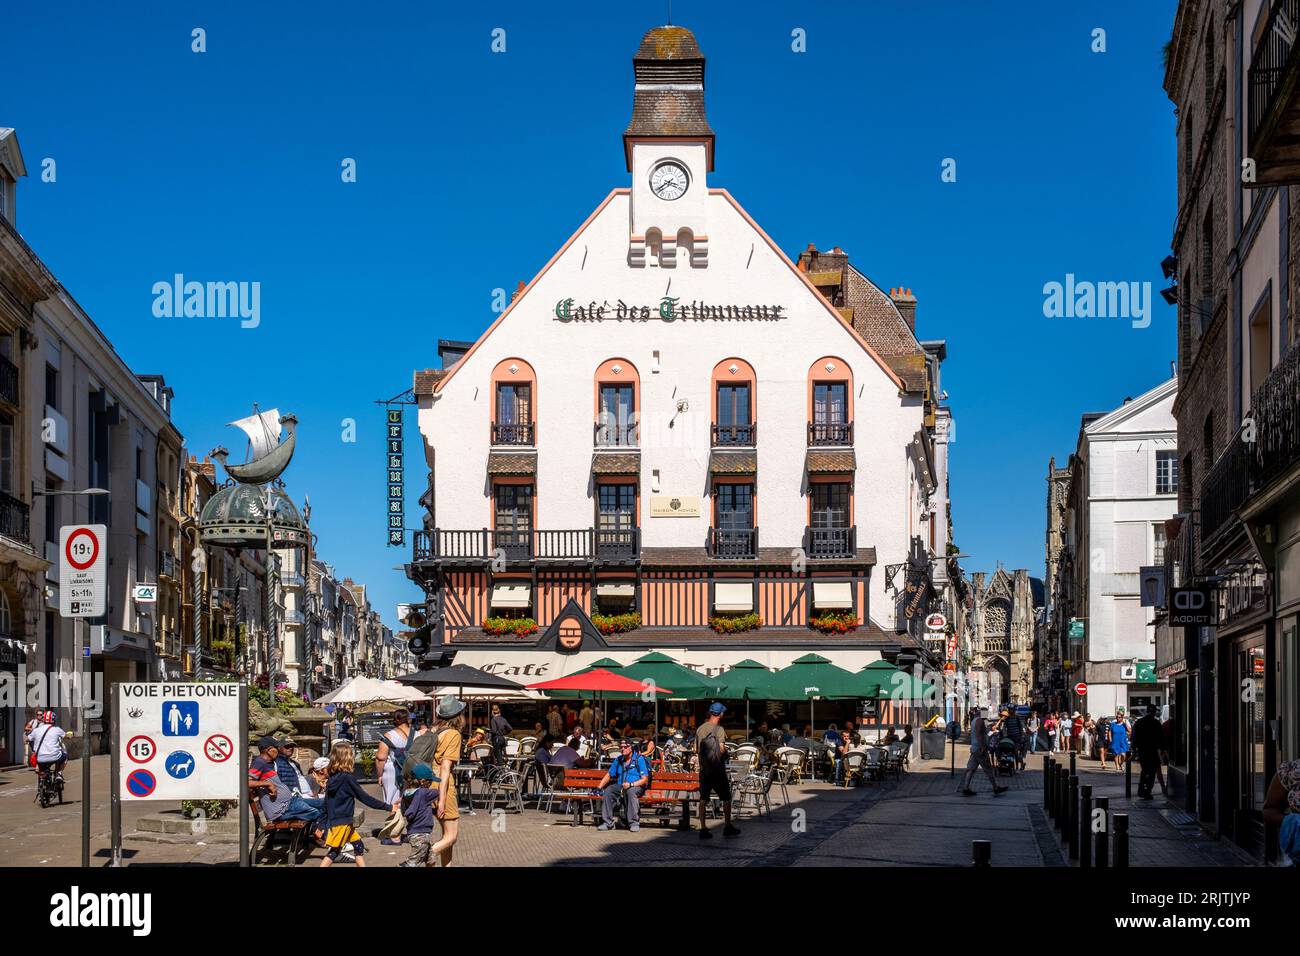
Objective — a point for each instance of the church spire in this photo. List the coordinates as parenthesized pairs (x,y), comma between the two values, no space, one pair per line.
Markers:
(668,100)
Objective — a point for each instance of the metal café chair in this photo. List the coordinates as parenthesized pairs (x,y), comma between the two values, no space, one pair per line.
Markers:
(854,765)
(753,789)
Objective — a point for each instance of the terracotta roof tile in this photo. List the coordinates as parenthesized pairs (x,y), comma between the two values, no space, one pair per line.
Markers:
(616,463)
(733,462)
(511,463)
(427,379)
(821,462)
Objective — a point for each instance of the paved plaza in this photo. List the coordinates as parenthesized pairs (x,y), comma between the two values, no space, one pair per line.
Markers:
(921,820)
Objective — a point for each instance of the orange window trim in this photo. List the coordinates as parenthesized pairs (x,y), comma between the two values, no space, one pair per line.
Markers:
(842,372)
(501,375)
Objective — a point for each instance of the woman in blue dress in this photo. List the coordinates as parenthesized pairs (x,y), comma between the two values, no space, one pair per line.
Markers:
(1119,732)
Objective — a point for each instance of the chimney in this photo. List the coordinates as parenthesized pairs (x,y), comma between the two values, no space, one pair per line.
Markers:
(518,290)
(906,304)
(806,257)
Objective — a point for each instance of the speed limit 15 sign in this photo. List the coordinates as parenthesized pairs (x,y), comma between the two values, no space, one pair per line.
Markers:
(83,563)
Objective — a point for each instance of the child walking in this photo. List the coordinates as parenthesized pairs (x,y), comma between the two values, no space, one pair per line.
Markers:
(419,814)
(341,793)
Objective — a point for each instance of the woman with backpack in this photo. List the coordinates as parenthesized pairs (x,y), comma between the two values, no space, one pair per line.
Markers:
(389,757)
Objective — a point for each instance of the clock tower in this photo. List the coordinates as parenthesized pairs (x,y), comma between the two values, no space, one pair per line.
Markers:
(669,151)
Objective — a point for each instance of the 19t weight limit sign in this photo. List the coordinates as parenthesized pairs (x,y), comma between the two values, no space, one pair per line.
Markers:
(83,558)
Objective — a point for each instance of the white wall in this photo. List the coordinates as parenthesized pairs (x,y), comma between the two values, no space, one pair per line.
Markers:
(742,269)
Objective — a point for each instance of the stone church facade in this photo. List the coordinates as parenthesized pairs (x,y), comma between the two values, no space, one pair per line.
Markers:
(1003,616)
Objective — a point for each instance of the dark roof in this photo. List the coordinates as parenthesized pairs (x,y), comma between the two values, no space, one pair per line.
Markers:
(426,380)
(733,462)
(669,95)
(1039,592)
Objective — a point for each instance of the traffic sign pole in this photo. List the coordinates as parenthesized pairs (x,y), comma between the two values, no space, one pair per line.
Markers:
(83,664)
(115,798)
(243,779)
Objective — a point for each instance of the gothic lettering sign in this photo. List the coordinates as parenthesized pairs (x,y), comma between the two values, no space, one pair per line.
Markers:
(668,309)
(396,481)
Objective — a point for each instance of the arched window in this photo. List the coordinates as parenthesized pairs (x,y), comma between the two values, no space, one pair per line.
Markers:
(830,402)
(618,399)
(6,621)
(514,403)
(735,403)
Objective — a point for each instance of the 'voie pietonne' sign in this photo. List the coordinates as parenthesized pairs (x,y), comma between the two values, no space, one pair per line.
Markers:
(179,741)
(1191,607)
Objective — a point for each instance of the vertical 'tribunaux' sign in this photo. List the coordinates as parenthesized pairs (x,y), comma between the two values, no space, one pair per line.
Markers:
(396,497)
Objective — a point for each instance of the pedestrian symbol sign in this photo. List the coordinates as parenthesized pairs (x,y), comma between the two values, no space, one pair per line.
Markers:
(140,783)
(180,764)
(179,741)
(180,718)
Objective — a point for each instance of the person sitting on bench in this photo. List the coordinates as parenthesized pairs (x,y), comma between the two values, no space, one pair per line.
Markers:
(629,775)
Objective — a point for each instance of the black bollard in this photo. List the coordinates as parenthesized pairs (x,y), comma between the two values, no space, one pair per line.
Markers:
(1101,839)
(1128,777)
(981,852)
(1072,824)
(1063,801)
(1082,832)
(1049,779)
(1073,770)
(1121,840)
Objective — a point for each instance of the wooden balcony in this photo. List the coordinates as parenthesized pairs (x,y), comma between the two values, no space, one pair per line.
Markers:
(519,434)
(830,542)
(446,546)
(837,434)
(733,542)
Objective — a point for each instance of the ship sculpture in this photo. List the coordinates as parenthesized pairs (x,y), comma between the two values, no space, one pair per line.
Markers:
(271,439)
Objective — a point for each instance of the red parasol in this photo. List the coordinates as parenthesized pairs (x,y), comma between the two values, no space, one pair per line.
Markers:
(599,680)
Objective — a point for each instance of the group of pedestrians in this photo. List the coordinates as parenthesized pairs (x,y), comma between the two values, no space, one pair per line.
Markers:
(1107,739)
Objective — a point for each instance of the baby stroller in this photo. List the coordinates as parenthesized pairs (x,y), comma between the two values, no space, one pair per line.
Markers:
(1005,756)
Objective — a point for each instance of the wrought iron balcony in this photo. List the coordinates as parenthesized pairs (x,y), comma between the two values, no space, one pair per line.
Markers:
(515,434)
(743,435)
(830,433)
(1273,107)
(830,542)
(733,542)
(9,389)
(523,546)
(1265,449)
(15,519)
(167,565)
(617,435)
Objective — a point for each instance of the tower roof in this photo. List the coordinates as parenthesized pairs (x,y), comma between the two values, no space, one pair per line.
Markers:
(668,100)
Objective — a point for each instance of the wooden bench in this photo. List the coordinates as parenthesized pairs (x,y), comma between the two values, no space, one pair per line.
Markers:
(668,787)
(576,785)
(266,831)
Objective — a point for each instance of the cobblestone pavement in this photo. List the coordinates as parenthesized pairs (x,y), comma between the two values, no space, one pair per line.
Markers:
(919,821)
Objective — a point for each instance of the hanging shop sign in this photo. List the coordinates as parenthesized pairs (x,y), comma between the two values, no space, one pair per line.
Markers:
(668,309)
(1191,607)
(936,622)
(396,481)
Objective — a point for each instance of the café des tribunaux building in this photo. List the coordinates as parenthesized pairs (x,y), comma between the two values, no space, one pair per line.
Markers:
(674,425)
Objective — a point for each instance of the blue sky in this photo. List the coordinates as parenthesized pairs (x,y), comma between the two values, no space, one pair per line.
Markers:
(473,167)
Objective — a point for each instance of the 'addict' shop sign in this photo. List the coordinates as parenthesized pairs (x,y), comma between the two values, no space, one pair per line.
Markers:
(669,309)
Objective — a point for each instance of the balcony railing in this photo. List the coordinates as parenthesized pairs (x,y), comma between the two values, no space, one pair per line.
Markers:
(830,433)
(9,381)
(167,564)
(15,519)
(830,542)
(743,435)
(1272,94)
(733,542)
(1263,450)
(512,434)
(483,546)
(616,435)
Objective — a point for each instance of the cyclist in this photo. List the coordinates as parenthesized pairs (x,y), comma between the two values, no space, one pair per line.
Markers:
(46,741)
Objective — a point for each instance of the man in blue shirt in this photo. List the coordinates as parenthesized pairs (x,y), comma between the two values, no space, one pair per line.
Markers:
(628,775)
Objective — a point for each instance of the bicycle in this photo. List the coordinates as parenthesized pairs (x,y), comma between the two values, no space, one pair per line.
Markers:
(49,785)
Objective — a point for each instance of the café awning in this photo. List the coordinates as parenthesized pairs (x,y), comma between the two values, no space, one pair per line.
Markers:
(512,595)
(733,596)
(832,595)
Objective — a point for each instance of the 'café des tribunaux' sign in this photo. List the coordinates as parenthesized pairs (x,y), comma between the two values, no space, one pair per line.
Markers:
(669,309)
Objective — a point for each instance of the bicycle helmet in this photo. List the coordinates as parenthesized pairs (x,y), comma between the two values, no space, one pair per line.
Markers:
(47,717)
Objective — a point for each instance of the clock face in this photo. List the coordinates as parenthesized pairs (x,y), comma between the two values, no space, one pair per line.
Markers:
(669,180)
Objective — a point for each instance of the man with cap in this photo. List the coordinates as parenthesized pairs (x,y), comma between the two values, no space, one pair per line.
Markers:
(710,749)
(273,796)
(290,776)
(979,755)
(628,775)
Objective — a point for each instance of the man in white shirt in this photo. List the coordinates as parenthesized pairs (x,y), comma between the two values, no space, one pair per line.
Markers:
(46,741)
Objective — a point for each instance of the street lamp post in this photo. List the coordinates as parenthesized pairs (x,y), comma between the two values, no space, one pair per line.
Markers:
(83,655)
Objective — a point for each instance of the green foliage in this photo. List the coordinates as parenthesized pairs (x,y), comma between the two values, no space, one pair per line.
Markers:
(284,700)
(616,623)
(734,623)
(510,625)
(207,809)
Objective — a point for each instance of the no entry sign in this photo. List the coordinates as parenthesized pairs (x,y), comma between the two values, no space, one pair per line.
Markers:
(1081,689)
(198,724)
